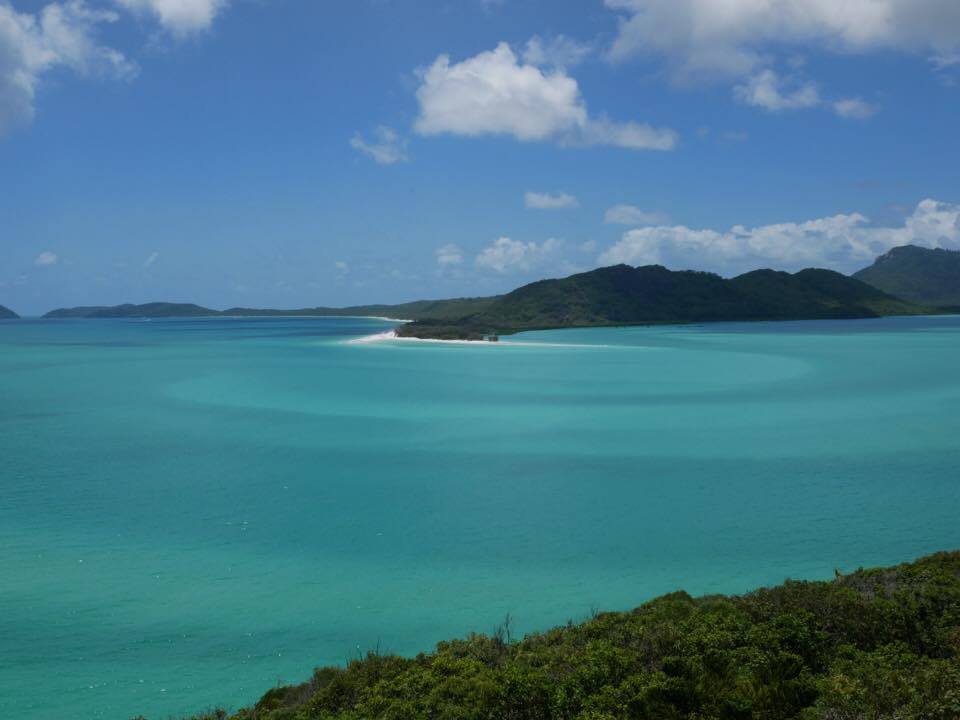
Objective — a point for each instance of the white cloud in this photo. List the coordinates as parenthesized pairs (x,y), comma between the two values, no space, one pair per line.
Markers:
(180,17)
(559,52)
(46,258)
(342,267)
(62,34)
(842,242)
(732,38)
(493,93)
(449,255)
(630,135)
(632,215)
(504,255)
(387,147)
(769,91)
(854,108)
(151,259)
(548,201)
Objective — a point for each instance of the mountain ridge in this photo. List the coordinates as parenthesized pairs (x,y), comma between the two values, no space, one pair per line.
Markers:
(7,314)
(454,307)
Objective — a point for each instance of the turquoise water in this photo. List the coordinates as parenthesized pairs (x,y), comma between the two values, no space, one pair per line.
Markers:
(192,511)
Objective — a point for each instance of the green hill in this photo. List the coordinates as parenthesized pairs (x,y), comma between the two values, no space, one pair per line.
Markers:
(880,644)
(7,314)
(623,295)
(920,275)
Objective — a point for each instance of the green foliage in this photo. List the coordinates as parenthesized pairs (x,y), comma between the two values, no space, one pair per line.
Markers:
(877,644)
(920,275)
(622,295)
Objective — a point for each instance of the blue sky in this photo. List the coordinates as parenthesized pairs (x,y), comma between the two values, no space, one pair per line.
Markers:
(289,153)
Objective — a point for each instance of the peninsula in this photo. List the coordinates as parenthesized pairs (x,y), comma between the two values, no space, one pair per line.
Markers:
(7,314)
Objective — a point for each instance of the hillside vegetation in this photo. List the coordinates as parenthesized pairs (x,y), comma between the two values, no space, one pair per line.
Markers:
(623,295)
(873,645)
(920,275)
(7,314)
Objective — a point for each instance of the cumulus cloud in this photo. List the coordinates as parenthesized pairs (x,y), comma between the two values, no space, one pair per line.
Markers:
(386,148)
(449,255)
(505,255)
(180,17)
(548,201)
(632,215)
(494,93)
(559,52)
(769,91)
(733,38)
(62,34)
(842,242)
(46,258)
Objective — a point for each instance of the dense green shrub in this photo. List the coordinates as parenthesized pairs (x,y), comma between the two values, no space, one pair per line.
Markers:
(874,645)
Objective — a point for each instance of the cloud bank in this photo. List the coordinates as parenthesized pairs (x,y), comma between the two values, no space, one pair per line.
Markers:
(733,38)
(841,242)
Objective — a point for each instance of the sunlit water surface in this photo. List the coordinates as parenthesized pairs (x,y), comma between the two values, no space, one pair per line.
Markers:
(192,511)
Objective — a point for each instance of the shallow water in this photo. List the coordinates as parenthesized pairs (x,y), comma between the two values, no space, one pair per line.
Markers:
(194,510)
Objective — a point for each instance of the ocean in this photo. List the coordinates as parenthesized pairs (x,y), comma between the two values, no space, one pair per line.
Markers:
(192,511)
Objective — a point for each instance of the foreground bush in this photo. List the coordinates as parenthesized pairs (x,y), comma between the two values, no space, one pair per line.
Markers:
(874,645)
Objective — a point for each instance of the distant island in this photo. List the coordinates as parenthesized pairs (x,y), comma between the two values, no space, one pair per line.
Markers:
(907,280)
(407,311)
(881,643)
(624,295)
(918,275)
(7,314)
(148,310)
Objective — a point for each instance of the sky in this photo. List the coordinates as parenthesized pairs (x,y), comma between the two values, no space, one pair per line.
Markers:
(296,153)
